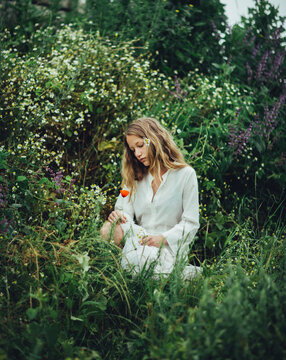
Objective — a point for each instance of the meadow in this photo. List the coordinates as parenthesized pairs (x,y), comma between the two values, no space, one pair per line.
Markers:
(70,85)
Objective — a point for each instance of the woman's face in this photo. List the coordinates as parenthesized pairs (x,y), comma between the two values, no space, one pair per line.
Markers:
(139,148)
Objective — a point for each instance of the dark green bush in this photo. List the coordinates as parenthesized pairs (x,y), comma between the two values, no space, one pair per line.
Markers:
(175,32)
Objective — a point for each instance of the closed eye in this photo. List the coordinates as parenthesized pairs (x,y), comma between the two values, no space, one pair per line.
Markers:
(140,146)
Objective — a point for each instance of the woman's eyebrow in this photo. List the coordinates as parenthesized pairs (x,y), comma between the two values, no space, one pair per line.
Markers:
(137,142)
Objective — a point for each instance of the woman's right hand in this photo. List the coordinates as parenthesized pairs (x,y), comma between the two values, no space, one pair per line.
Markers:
(117,216)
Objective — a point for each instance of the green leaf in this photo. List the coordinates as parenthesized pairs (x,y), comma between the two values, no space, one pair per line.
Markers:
(105,145)
(200,23)
(32,313)
(60,225)
(21,178)
(75,318)
(17,206)
(63,201)
(68,132)
(44,180)
(83,259)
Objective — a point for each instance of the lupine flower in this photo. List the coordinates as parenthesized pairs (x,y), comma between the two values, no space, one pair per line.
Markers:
(217,35)
(124,193)
(245,38)
(239,139)
(249,72)
(255,51)
(270,116)
(261,65)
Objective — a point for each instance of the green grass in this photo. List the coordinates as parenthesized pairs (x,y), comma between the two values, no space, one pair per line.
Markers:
(75,301)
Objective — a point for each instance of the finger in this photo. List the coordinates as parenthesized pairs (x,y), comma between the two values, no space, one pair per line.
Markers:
(112,217)
(148,241)
(118,213)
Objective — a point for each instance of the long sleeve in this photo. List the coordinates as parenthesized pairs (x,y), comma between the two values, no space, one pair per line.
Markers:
(180,236)
(127,209)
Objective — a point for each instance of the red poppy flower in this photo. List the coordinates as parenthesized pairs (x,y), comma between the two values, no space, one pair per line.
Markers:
(124,193)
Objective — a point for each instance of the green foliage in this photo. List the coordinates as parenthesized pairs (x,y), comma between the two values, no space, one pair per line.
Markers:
(173,31)
(68,107)
(73,299)
(254,53)
(26,16)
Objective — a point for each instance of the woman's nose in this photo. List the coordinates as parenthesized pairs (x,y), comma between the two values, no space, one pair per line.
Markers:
(137,152)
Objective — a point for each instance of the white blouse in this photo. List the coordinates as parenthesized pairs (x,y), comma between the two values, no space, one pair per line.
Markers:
(172,212)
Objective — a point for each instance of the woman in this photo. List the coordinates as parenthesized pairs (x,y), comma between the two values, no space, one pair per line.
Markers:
(162,198)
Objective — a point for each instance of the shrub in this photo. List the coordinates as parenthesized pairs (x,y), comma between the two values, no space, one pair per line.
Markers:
(65,105)
(173,31)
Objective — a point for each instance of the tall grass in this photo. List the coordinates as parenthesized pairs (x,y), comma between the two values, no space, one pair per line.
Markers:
(67,301)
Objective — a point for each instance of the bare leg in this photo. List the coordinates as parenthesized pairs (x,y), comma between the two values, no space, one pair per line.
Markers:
(105,232)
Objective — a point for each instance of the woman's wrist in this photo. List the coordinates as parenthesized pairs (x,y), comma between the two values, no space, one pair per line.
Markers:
(164,241)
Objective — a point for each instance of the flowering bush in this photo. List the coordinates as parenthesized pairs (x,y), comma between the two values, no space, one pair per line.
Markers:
(65,106)
(47,199)
(218,129)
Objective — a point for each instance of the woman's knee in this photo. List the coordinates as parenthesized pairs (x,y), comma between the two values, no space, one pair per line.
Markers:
(105,230)
(117,234)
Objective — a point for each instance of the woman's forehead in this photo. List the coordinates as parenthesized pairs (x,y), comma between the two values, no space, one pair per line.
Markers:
(133,140)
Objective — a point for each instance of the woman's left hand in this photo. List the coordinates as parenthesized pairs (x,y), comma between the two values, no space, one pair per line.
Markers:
(154,240)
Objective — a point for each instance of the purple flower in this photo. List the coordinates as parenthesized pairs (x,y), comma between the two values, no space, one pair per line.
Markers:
(255,51)
(268,124)
(217,35)
(261,65)
(245,38)
(238,139)
(4,225)
(249,73)
(58,179)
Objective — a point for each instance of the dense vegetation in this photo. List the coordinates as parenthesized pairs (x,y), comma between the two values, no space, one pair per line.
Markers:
(70,84)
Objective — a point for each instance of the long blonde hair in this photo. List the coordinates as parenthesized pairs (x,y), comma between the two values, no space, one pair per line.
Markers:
(163,153)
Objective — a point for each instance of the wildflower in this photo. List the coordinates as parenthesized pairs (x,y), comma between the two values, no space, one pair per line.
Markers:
(124,193)
(147,141)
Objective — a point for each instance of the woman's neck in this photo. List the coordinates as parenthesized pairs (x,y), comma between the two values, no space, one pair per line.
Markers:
(154,173)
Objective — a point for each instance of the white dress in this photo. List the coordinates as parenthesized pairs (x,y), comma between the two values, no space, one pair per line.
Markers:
(172,212)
